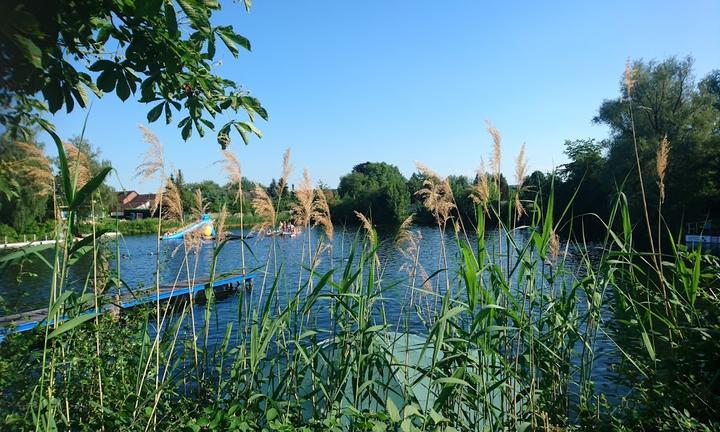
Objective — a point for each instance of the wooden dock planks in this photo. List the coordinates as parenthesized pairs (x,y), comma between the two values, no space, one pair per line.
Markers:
(223,284)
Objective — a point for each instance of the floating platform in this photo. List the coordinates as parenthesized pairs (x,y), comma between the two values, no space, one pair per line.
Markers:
(223,285)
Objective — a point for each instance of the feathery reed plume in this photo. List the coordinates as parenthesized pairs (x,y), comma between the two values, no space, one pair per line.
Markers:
(321,214)
(446,202)
(317,259)
(497,149)
(171,201)
(199,205)
(153,166)
(220,234)
(481,189)
(456,226)
(153,163)
(367,226)
(426,286)
(629,78)
(520,173)
(77,164)
(554,247)
(303,209)
(661,165)
(520,166)
(519,209)
(35,166)
(286,170)
(263,205)
(437,194)
(425,170)
(231,165)
(407,242)
(404,235)
(193,241)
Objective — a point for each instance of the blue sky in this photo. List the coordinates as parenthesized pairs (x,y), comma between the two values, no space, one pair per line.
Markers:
(403,81)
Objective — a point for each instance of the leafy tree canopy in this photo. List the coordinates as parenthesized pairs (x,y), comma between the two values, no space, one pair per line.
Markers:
(377,189)
(105,196)
(53,54)
(25,183)
(586,156)
(214,196)
(666,101)
(461,188)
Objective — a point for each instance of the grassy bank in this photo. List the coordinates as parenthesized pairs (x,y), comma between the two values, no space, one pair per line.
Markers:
(40,232)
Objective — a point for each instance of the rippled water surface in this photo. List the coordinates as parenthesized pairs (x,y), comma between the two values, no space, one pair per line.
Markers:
(26,286)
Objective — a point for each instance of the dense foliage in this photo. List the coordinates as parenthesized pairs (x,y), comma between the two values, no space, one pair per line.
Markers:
(214,195)
(666,102)
(374,188)
(32,191)
(52,55)
(25,185)
(105,197)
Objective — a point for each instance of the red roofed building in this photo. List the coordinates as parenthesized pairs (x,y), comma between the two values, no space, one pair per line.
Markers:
(134,205)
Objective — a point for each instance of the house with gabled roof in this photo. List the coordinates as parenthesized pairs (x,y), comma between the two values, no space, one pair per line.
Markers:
(132,205)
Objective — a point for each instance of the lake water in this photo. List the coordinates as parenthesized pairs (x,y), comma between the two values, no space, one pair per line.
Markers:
(26,287)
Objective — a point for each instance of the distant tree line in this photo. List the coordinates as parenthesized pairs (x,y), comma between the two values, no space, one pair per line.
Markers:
(659,101)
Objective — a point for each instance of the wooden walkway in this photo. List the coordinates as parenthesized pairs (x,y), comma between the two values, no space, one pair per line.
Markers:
(222,285)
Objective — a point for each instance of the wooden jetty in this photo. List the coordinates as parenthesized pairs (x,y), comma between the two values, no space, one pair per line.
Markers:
(222,286)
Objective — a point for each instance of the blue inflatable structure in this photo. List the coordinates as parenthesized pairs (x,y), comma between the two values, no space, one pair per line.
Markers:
(205,224)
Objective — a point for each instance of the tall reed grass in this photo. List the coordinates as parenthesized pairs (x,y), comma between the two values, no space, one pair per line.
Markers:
(512,328)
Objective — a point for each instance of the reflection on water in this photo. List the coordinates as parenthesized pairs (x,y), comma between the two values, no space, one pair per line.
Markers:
(27,286)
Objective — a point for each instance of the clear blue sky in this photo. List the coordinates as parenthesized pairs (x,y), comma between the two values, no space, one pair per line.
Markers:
(399,81)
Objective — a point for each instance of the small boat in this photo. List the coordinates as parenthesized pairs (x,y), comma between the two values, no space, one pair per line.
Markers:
(283,232)
(273,233)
